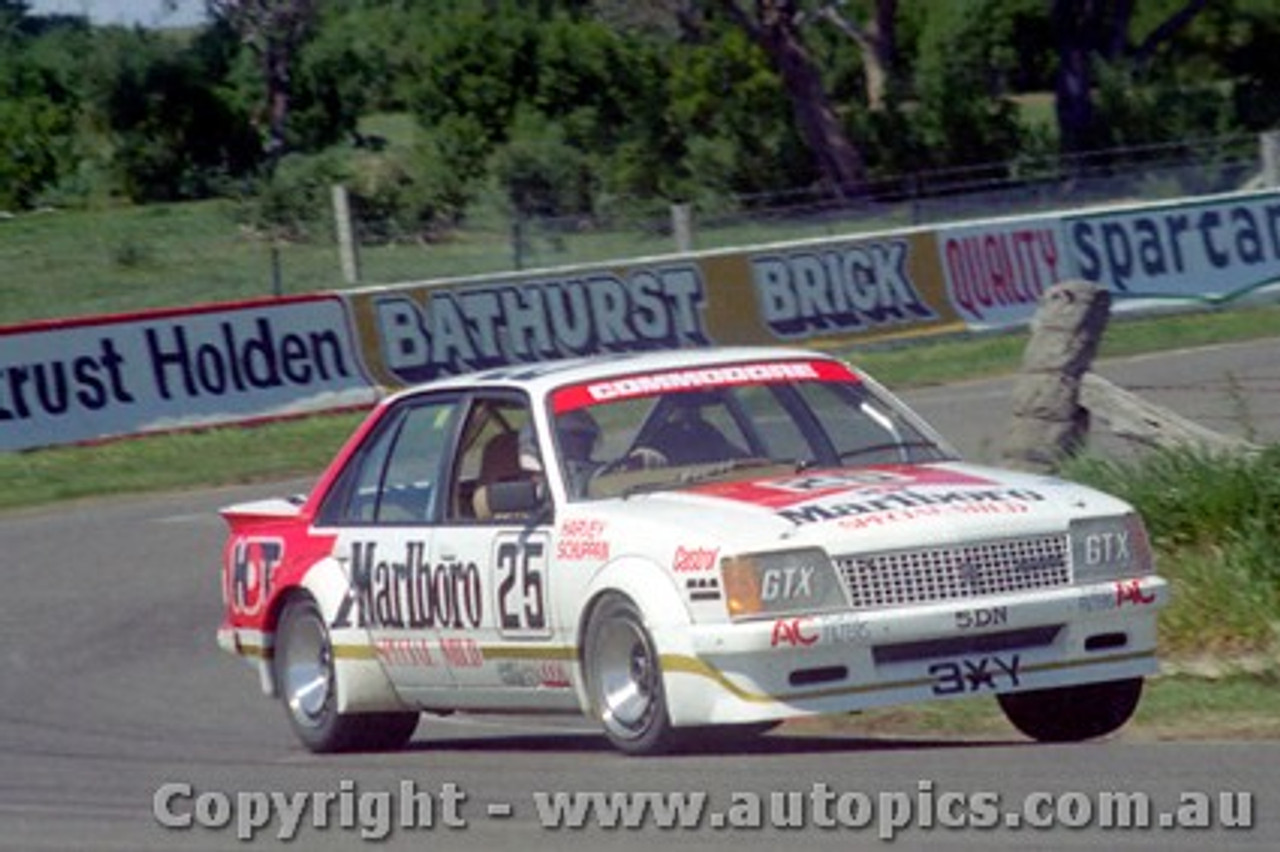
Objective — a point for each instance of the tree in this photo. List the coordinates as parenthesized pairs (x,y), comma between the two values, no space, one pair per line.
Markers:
(962,117)
(732,120)
(273,31)
(1092,31)
(877,40)
(171,133)
(774,26)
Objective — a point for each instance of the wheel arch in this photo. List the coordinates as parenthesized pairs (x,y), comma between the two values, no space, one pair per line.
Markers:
(361,682)
(654,592)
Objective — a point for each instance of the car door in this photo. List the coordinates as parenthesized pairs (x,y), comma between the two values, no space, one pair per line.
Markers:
(384,510)
(511,554)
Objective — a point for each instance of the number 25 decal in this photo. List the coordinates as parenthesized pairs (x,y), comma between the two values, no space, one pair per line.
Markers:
(521,566)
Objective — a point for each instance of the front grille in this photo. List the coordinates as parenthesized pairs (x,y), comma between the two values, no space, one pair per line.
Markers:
(955,573)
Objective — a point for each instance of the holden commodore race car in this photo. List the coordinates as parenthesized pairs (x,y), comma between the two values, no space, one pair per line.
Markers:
(668,542)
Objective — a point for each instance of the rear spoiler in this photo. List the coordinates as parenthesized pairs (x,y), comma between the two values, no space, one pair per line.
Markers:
(272,509)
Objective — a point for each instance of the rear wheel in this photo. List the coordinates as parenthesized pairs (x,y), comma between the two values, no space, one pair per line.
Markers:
(305,677)
(624,679)
(1073,713)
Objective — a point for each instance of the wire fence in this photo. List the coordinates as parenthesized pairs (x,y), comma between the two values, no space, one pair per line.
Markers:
(81,262)
(1030,185)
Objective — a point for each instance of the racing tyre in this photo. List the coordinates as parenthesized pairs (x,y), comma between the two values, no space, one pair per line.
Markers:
(624,679)
(305,678)
(1072,713)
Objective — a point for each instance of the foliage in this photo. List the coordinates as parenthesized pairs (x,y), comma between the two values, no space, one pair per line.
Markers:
(174,136)
(540,172)
(1163,111)
(731,113)
(35,138)
(964,117)
(1215,522)
(295,200)
(580,106)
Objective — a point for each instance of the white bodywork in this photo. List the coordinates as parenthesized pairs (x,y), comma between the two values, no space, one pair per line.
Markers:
(941,579)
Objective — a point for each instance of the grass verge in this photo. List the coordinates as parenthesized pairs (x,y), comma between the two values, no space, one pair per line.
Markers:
(927,362)
(173,462)
(1172,708)
(1214,520)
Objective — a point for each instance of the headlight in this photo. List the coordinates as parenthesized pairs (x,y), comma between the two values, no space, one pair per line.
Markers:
(1110,548)
(781,583)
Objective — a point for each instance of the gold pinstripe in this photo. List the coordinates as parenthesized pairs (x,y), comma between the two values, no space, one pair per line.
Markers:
(694,666)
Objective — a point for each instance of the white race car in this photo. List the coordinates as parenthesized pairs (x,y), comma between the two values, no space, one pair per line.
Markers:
(670,541)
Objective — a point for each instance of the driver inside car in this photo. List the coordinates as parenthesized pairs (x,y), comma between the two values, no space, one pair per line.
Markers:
(577,435)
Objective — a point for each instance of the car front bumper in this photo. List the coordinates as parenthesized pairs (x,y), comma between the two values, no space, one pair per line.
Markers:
(843,662)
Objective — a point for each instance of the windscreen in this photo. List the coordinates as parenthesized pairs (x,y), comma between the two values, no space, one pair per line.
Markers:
(668,429)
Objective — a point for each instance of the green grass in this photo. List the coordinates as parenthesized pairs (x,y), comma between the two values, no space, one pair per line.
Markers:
(966,357)
(64,263)
(1182,708)
(201,459)
(83,262)
(1214,520)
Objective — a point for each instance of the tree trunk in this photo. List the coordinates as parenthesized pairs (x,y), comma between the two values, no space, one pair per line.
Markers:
(774,29)
(277,61)
(878,43)
(1075,22)
(1093,29)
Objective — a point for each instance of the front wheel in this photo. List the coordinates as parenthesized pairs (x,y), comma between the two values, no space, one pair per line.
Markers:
(624,679)
(305,677)
(1072,713)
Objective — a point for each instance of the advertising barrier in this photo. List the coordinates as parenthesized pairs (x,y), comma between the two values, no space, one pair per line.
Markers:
(86,379)
(65,382)
(1210,250)
(829,290)
(996,271)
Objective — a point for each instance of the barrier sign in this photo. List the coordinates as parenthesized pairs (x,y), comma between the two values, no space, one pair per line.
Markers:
(996,272)
(108,376)
(1215,247)
(838,289)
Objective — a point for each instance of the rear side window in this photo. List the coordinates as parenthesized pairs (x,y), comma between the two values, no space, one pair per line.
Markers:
(395,477)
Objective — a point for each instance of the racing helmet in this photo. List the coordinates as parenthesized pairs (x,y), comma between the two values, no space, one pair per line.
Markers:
(577,433)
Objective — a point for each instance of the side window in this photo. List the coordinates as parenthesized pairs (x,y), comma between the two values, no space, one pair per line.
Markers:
(495,447)
(395,478)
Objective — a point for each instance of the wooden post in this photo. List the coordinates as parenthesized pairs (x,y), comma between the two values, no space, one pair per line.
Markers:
(682,227)
(1270,144)
(1049,423)
(348,253)
(518,244)
(277,279)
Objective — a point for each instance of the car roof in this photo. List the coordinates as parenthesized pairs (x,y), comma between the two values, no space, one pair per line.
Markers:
(541,377)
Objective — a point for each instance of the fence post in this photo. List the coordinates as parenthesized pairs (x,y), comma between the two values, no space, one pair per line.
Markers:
(682,227)
(348,254)
(1049,423)
(277,278)
(518,241)
(1270,145)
